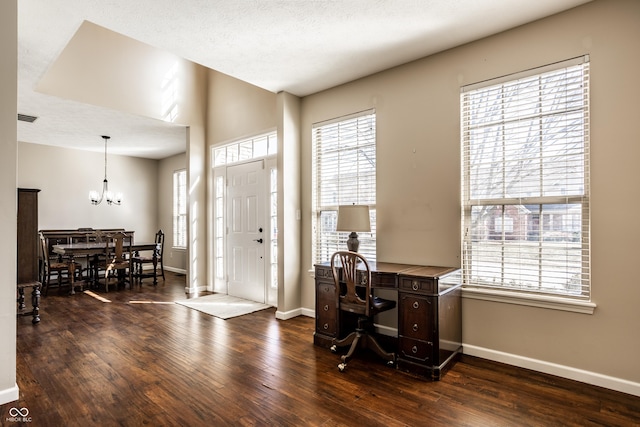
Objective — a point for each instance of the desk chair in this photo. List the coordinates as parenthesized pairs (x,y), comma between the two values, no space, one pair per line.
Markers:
(355,296)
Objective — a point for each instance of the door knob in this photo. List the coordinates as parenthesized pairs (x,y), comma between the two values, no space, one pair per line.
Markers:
(257,240)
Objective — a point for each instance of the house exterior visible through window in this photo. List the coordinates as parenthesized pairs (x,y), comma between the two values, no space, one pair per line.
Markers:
(180,209)
(344,173)
(525,182)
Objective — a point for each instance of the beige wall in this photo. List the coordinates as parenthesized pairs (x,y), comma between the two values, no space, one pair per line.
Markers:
(8,150)
(236,109)
(66,176)
(418,193)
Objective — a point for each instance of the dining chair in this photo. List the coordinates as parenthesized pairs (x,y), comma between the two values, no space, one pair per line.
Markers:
(139,260)
(51,267)
(117,261)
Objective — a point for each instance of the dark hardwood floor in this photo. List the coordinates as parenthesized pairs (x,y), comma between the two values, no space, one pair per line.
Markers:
(118,363)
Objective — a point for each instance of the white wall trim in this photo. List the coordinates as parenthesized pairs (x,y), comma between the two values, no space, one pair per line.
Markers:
(531,300)
(9,394)
(563,371)
(286,315)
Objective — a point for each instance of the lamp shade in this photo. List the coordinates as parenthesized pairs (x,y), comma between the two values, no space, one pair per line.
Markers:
(353,218)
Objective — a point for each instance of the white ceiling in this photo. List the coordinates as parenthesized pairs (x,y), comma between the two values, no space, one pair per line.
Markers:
(298,46)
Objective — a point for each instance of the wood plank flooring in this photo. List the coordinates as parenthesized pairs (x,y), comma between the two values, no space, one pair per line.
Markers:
(121,363)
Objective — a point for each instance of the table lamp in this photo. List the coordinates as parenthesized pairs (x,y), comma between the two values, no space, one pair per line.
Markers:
(353,218)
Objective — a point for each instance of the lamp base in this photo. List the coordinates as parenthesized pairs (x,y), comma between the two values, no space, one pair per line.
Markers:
(353,243)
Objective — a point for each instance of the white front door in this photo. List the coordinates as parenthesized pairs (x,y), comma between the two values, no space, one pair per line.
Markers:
(247,237)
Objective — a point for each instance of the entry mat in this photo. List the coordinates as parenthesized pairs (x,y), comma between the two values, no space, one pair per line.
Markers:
(223,305)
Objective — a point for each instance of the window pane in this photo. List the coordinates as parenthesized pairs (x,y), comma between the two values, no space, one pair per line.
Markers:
(220,155)
(246,150)
(180,208)
(344,165)
(525,148)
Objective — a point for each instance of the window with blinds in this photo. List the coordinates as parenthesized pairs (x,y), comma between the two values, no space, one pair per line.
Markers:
(180,209)
(344,173)
(525,181)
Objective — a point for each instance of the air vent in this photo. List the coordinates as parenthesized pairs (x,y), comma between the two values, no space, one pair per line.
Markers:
(26,118)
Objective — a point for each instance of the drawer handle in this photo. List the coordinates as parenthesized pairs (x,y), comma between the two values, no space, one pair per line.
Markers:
(326,289)
(414,349)
(326,307)
(415,286)
(415,327)
(325,326)
(415,304)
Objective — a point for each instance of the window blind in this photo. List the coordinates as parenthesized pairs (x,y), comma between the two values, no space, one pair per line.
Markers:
(344,173)
(525,183)
(180,209)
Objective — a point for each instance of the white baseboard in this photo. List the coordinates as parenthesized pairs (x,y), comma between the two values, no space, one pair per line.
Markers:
(286,315)
(175,270)
(563,371)
(9,395)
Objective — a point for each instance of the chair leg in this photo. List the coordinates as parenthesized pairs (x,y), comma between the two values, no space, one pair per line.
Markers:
(45,283)
(371,343)
(361,338)
(343,342)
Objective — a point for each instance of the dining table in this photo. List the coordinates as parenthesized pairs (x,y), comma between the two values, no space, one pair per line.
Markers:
(96,248)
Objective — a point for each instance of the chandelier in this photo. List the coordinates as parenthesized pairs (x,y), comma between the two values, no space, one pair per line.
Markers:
(97,198)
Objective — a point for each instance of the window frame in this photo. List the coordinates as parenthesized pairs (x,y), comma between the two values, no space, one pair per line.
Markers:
(471,199)
(325,240)
(179,215)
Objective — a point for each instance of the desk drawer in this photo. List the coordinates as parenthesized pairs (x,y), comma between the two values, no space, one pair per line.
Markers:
(326,309)
(416,350)
(427,286)
(417,316)
(383,280)
(324,273)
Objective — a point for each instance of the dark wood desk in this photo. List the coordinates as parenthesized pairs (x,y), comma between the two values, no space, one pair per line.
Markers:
(429,313)
(97,248)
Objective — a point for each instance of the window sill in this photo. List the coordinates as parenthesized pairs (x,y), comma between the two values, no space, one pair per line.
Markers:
(541,301)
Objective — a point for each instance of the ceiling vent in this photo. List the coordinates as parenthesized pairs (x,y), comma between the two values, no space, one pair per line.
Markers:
(26,118)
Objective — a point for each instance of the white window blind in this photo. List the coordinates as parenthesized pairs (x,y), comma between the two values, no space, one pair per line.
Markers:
(344,173)
(525,183)
(180,209)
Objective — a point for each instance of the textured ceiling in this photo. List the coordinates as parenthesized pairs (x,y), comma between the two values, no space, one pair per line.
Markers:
(298,46)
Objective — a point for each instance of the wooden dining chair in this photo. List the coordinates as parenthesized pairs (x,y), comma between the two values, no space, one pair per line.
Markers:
(53,268)
(95,262)
(117,261)
(140,260)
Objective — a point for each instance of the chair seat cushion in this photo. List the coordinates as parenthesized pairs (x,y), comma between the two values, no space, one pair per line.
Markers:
(380,304)
(142,259)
